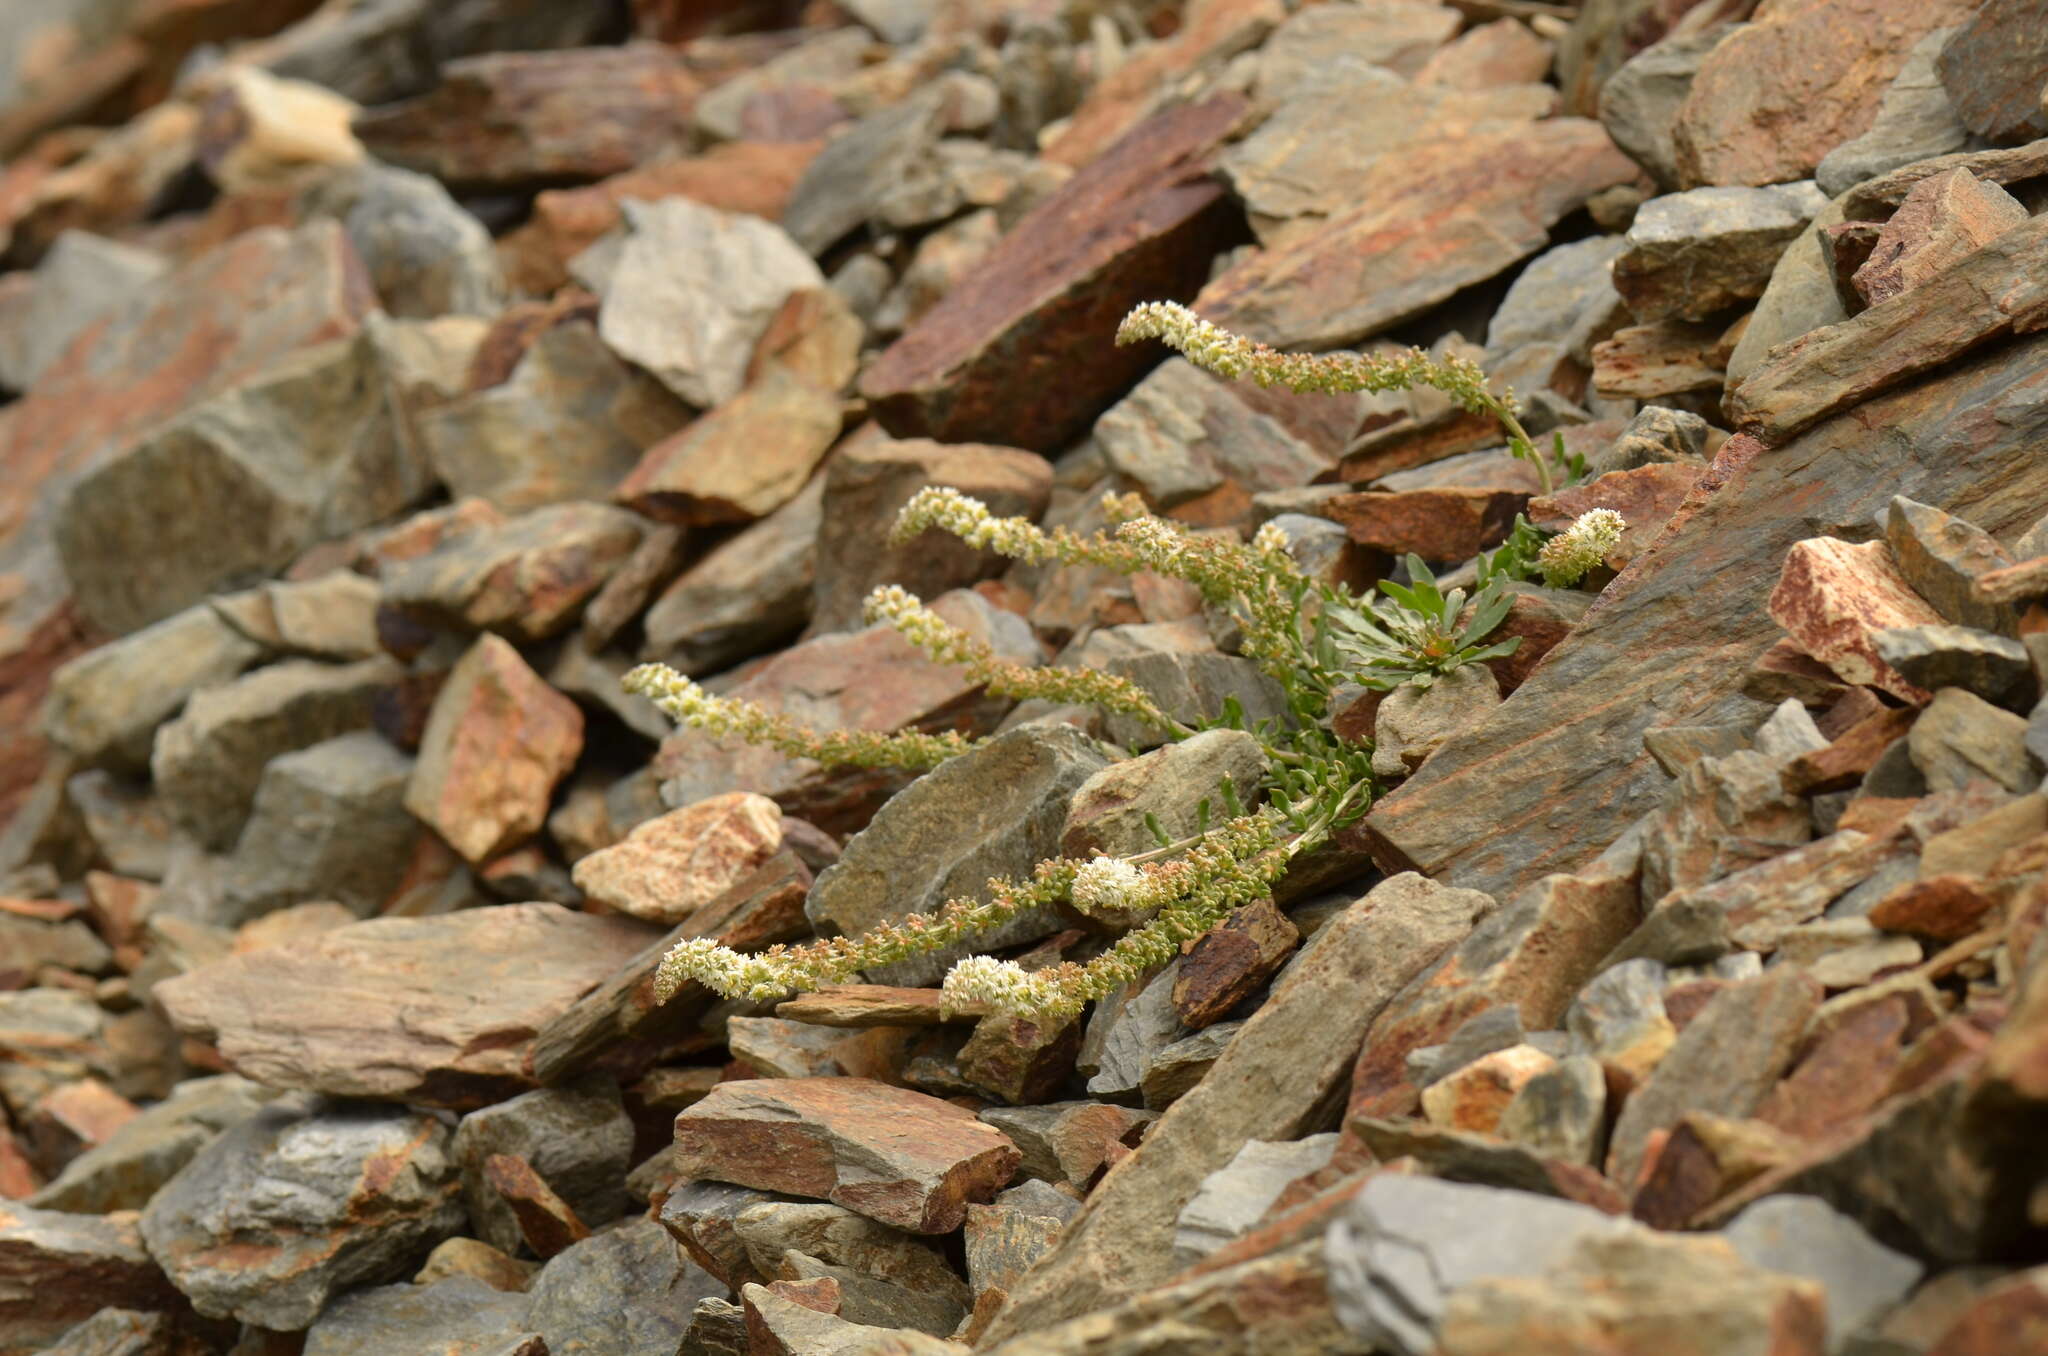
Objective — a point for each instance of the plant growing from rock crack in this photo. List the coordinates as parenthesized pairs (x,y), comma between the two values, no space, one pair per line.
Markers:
(1311,636)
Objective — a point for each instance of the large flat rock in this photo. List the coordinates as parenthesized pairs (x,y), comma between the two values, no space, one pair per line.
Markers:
(1658,649)
(435,1011)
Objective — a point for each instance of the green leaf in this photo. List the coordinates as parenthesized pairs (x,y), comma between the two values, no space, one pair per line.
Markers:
(1152,823)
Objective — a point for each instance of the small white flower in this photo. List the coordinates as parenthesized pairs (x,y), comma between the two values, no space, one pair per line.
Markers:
(1270,539)
(1567,557)
(1106,883)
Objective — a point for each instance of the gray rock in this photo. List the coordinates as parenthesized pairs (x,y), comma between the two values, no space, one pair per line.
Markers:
(379,52)
(1805,1236)
(283,1210)
(1993,667)
(1654,434)
(1338,49)
(29,943)
(1961,737)
(1107,814)
(1788,732)
(1915,121)
(80,279)
(458,1316)
(52,1037)
(1066,1141)
(623,1292)
(125,1171)
(1182,433)
(63,1268)
(579,1140)
(328,822)
(1941,556)
(527,578)
(1725,1062)
(1621,1011)
(1895,775)
(769,1228)
(995,811)
(1405,1244)
(1564,296)
(1174,1071)
(1235,1197)
(1125,1034)
(1192,687)
(228,492)
(1323,549)
(747,594)
(209,762)
(1694,254)
(1560,1113)
(877,1303)
(1639,103)
(105,706)
(1800,298)
(1005,1237)
(425,255)
(718,1328)
(848,181)
(693,289)
(823,60)
(570,423)
(1414,722)
(126,822)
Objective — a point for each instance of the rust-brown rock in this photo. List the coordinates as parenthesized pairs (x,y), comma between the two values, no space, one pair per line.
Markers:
(546,1221)
(1967,442)
(64,1268)
(739,176)
(1770,100)
(893,1155)
(317,1014)
(1439,218)
(526,119)
(1446,524)
(1023,351)
(496,743)
(1943,219)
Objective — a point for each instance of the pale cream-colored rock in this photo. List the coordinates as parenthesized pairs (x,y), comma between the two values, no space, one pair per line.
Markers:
(1833,597)
(260,132)
(667,868)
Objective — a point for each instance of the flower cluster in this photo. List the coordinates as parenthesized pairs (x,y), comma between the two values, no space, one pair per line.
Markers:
(1231,356)
(945,643)
(782,969)
(1106,884)
(684,702)
(1565,558)
(1233,865)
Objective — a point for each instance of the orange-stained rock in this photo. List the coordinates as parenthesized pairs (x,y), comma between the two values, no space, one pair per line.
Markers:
(64,1268)
(496,743)
(669,867)
(1847,1071)
(1646,497)
(1447,524)
(1947,907)
(546,1221)
(739,176)
(1834,597)
(2011,1316)
(1806,76)
(317,1013)
(1473,1098)
(1212,32)
(1442,217)
(743,460)
(1023,351)
(71,1119)
(1943,218)
(893,1155)
(1230,961)
(1664,358)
